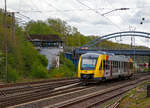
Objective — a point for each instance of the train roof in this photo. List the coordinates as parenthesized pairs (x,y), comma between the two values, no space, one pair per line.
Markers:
(92,55)
(111,56)
(99,52)
(119,58)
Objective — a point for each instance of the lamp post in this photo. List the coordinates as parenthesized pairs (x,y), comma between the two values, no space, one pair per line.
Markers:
(115,10)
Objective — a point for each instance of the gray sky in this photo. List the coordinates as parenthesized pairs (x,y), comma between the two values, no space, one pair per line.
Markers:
(86,15)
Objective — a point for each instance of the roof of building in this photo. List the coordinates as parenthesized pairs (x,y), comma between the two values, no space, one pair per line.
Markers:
(37,37)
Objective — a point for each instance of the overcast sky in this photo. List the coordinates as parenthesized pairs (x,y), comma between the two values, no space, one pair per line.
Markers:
(87,15)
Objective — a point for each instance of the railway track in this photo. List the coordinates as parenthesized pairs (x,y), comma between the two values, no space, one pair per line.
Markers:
(97,98)
(18,98)
(33,82)
(71,96)
(14,88)
(34,95)
(18,94)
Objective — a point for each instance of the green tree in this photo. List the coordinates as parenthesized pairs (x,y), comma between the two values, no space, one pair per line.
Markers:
(39,27)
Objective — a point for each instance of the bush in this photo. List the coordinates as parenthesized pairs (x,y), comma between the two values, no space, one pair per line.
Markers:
(38,71)
(62,71)
(66,68)
(69,64)
(13,75)
(35,64)
(43,60)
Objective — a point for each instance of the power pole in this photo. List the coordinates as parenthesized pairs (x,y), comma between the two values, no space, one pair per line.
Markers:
(6,43)
(13,28)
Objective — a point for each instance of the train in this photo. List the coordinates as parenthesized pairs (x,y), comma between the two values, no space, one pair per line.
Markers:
(99,67)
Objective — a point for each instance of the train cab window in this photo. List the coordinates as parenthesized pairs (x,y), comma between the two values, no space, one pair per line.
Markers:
(88,63)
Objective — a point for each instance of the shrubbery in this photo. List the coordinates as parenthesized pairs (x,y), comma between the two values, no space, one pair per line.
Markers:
(66,68)
(38,71)
(13,75)
(24,61)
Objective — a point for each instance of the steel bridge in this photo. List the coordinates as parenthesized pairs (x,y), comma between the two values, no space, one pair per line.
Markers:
(115,35)
(90,44)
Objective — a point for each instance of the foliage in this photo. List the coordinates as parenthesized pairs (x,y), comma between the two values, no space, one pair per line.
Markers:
(23,60)
(39,27)
(66,69)
(38,71)
(70,35)
(33,61)
(13,75)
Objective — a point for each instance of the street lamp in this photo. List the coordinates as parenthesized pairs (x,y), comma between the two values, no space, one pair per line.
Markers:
(115,10)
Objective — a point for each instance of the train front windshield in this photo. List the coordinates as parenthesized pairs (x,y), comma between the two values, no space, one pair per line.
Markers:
(88,63)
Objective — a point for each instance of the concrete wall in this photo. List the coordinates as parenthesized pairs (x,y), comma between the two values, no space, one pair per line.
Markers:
(52,54)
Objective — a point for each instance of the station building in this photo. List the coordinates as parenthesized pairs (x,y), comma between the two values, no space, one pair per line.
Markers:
(49,45)
(45,40)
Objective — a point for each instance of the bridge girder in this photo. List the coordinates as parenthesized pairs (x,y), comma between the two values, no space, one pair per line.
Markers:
(117,34)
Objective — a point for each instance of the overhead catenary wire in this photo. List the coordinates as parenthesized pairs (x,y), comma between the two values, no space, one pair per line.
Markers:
(72,10)
(23,16)
(57,9)
(99,14)
(65,10)
(118,9)
(115,9)
(35,5)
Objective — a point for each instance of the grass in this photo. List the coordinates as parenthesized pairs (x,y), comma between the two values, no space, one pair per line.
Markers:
(136,98)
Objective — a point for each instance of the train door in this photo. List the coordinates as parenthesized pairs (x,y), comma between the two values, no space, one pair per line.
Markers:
(107,68)
(111,69)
